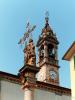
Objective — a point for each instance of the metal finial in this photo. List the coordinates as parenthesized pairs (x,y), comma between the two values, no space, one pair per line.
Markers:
(47,14)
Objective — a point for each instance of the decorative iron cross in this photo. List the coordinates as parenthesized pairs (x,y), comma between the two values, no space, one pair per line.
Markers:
(27,33)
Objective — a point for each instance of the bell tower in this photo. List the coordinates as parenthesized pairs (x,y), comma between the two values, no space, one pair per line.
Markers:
(47,55)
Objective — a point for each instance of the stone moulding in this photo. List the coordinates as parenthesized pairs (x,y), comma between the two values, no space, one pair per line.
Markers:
(9,77)
(39,85)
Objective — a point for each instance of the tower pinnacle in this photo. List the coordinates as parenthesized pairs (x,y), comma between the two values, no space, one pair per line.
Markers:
(47,27)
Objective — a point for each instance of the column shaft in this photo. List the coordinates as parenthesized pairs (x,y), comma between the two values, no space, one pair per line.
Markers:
(28,94)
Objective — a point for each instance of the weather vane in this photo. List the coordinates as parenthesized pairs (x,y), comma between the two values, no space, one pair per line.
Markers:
(29,30)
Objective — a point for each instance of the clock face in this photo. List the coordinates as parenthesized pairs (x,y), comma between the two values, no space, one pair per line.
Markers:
(53,75)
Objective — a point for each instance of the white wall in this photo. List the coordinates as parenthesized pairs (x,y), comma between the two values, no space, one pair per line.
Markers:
(11,91)
(45,95)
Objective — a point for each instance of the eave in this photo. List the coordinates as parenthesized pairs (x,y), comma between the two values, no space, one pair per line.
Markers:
(67,56)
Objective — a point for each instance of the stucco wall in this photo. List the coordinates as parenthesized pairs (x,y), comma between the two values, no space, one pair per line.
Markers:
(45,95)
(11,91)
(41,76)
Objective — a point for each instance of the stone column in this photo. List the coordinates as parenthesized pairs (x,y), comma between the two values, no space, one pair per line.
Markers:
(28,94)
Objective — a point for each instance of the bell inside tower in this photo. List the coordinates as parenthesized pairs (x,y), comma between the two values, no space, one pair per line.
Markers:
(51,51)
(52,54)
(41,53)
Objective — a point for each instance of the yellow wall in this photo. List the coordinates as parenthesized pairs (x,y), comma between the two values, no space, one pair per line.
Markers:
(72,75)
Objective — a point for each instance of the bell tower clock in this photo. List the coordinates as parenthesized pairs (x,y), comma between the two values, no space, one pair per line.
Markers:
(47,55)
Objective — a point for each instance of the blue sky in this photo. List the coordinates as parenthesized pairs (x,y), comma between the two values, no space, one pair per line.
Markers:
(13,18)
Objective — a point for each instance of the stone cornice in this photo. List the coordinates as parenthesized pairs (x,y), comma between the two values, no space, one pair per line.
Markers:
(29,68)
(48,63)
(54,88)
(10,77)
(41,40)
(38,85)
(49,87)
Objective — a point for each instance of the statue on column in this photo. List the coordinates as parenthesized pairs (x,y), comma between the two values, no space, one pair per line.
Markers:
(29,53)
